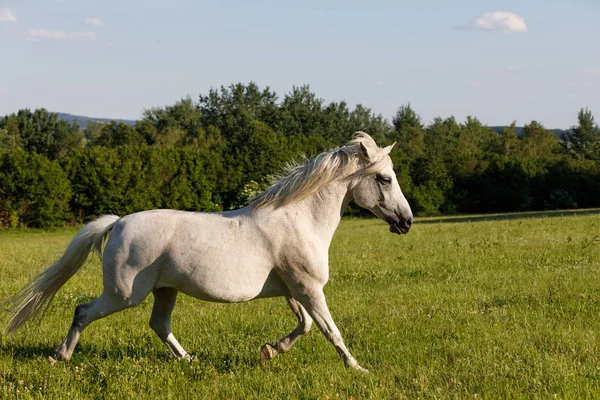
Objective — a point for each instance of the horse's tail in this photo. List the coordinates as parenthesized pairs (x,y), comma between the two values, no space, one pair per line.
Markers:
(34,298)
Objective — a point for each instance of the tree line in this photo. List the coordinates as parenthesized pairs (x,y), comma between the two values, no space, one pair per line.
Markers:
(216,153)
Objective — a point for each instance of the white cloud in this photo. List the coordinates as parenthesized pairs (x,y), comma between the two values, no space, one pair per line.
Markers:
(44,34)
(380,83)
(504,21)
(97,22)
(113,45)
(513,68)
(6,15)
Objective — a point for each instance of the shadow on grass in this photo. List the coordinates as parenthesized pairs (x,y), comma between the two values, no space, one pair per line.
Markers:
(222,363)
(26,352)
(506,217)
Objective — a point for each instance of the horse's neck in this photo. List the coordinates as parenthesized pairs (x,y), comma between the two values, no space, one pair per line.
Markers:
(324,209)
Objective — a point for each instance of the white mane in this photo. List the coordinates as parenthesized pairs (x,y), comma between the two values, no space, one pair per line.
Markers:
(301,180)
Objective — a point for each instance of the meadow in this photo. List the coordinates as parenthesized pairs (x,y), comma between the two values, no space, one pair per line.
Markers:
(503,306)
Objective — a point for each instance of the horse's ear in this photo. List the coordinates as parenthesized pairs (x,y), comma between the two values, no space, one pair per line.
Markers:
(387,150)
(365,152)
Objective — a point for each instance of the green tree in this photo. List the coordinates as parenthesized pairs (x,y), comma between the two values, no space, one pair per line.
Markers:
(6,141)
(175,125)
(41,132)
(539,144)
(92,132)
(473,140)
(441,137)
(11,137)
(509,142)
(409,135)
(584,139)
(405,120)
(539,150)
(302,113)
(230,108)
(115,134)
(34,191)
(432,184)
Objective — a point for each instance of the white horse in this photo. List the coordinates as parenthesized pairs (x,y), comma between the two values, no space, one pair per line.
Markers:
(276,246)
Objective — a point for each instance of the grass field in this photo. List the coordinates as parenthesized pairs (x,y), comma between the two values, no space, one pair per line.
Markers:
(491,307)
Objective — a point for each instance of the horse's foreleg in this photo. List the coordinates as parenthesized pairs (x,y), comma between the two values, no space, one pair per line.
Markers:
(269,351)
(313,299)
(160,321)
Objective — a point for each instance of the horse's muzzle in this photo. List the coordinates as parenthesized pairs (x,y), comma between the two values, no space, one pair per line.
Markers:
(400,227)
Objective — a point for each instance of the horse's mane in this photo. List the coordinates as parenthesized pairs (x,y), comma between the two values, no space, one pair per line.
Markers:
(301,180)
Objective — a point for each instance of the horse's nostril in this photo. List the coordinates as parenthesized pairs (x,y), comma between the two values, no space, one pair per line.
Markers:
(408,223)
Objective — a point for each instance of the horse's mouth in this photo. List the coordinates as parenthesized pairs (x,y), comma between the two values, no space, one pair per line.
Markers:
(395,228)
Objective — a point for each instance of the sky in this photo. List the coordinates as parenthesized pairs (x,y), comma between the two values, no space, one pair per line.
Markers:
(499,61)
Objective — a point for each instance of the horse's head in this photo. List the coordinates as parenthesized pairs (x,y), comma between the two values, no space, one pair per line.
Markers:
(376,187)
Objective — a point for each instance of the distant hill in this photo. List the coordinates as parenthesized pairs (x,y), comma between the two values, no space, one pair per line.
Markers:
(560,133)
(83,121)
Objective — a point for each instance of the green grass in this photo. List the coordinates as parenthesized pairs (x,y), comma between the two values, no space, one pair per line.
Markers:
(479,307)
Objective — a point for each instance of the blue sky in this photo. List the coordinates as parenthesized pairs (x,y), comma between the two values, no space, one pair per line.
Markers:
(497,60)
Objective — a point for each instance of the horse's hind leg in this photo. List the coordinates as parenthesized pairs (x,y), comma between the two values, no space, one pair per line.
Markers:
(269,351)
(85,314)
(160,321)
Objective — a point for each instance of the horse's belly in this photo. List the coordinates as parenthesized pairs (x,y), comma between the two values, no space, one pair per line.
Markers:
(225,279)
(232,290)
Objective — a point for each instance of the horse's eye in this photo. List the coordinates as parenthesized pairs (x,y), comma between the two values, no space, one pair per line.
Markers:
(386,180)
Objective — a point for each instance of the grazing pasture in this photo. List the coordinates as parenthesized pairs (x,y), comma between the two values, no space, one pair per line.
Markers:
(492,307)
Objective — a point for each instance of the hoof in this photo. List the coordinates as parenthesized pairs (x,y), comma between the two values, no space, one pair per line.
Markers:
(55,357)
(186,357)
(190,358)
(267,352)
(354,365)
